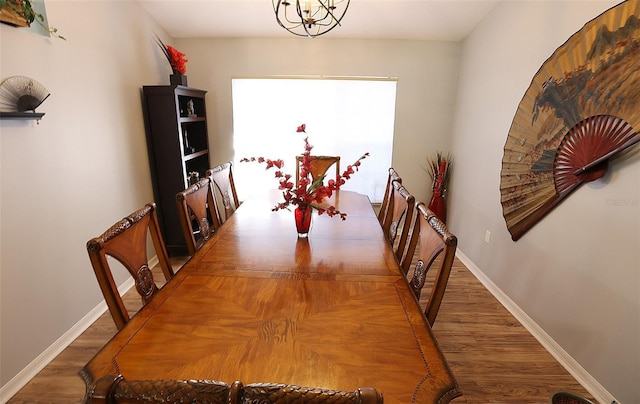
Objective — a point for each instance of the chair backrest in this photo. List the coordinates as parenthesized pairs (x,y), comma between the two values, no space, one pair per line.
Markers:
(290,394)
(433,240)
(199,214)
(222,177)
(398,218)
(115,389)
(319,166)
(567,397)
(126,241)
(393,176)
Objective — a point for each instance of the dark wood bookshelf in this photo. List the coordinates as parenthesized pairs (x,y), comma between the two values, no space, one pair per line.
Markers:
(177,143)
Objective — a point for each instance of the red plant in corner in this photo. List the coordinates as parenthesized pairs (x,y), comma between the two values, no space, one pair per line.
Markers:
(440,170)
(176,58)
(307,192)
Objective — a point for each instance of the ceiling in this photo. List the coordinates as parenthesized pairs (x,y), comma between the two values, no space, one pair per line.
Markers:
(442,20)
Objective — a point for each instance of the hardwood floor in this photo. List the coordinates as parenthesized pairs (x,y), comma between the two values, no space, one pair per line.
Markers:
(493,357)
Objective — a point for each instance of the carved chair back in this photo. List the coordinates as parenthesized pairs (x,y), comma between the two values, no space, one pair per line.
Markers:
(115,389)
(126,241)
(398,218)
(319,166)
(433,240)
(199,214)
(289,394)
(393,176)
(112,389)
(222,177)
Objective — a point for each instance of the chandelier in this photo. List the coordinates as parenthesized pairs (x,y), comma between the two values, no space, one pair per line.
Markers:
(309,18)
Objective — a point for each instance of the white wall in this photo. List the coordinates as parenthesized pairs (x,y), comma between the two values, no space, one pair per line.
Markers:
(576,273)
(77,172)
(426,72)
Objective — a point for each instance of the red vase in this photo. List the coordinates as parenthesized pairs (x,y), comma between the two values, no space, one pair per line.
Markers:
(303,220)
(438,206)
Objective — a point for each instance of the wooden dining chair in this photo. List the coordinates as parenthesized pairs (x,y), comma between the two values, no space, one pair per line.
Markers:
(126,241)
(432,240)
(290,394)
(222,177)
(319,166)
(199,214)
(567,397)
(114,389)
(398,219)
(393,176)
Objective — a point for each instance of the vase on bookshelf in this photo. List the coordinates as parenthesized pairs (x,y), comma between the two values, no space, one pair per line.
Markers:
(177,79)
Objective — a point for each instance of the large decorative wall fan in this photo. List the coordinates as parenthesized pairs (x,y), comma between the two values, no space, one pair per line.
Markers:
(581,110)
(21,94)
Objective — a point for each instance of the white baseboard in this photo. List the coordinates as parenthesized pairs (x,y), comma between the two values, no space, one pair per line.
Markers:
(571,365)
(41,361)
(31,370)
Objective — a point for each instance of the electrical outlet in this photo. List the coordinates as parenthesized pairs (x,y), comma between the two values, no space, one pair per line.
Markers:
(487,237)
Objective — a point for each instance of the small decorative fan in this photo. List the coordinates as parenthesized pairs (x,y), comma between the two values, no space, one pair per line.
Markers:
(580,111)
(21,94)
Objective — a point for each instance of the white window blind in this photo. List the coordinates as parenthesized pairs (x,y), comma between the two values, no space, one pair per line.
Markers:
(345,117)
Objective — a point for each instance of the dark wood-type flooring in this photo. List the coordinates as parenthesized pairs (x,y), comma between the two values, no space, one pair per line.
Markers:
(493,357)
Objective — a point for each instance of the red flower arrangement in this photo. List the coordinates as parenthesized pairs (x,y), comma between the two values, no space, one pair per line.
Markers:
(308,192)
(176,58)
(440,171)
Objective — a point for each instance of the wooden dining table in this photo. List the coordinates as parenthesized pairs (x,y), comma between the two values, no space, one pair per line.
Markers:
(259,304)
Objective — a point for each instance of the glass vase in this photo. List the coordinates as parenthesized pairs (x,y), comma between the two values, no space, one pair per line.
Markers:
(303,220)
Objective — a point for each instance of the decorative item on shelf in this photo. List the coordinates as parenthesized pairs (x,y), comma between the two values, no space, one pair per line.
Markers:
(177,79)
(21,93)
(314,18)
(190,109)
(20,96)
(307,195)
(188,149)
(194,177)
(439,171)
(177,61)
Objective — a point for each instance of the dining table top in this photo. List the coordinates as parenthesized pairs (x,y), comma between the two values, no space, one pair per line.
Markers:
(259,304)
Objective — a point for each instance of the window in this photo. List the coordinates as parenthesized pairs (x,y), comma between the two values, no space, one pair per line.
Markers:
(345,117)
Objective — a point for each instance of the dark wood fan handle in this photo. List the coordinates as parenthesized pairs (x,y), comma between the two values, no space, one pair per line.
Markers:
(607,156)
